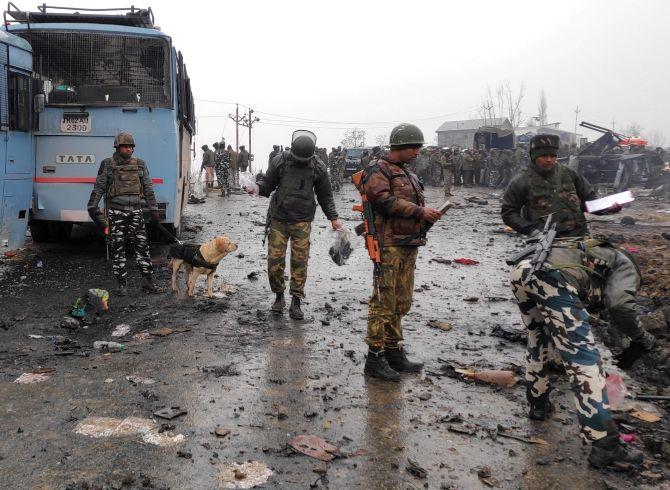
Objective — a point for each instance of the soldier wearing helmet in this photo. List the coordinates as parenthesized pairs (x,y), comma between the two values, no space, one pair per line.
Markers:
(124,181)
(292,179)
(402,220)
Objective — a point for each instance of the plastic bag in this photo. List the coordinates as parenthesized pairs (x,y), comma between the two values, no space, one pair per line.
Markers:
(197,186)
(248,183)
(341,246)
(616,390)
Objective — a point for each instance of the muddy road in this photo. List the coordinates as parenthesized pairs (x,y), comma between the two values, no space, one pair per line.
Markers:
(259,381)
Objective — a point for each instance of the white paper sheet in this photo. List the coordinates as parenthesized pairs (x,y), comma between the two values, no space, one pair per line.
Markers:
(608,201)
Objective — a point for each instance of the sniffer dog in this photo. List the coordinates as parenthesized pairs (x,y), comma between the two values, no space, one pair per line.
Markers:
(199,260)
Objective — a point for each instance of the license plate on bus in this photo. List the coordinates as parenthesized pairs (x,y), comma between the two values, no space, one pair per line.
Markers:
(75,123)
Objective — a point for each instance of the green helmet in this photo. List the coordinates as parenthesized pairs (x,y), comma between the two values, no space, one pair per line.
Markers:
(406,135)
(544,144)
(124,139)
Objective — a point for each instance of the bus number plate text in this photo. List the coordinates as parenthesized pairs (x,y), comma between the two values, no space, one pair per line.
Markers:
(79,123)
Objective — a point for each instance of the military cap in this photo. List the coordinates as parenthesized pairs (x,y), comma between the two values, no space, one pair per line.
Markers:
(544,144)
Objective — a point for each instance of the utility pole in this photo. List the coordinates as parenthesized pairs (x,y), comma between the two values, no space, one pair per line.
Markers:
(237,120)
(248,122)
(576,115)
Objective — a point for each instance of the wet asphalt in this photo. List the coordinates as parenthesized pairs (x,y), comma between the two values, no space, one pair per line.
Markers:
(277,377)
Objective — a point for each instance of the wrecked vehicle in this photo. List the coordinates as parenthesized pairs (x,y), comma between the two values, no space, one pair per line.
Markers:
(618,162)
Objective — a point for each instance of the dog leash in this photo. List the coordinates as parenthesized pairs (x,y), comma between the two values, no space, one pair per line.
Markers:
(168,234)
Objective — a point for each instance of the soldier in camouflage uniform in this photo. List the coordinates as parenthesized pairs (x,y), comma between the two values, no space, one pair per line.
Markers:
(447,162)
(125,183)
(580,275)
(222,167)
(401,219)
(293,178)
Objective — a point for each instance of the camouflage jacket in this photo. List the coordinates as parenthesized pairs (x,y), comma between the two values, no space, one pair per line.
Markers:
(396,196)
(104,185)
(535,193)
(208,159)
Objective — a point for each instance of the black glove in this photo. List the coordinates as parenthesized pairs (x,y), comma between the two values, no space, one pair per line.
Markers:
(627,358)
(155,217)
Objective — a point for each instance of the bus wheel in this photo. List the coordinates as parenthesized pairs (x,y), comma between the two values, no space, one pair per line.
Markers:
(60,232)
(39,230)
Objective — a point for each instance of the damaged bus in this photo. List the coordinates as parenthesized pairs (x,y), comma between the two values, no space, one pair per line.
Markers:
(103,71)
(16,151)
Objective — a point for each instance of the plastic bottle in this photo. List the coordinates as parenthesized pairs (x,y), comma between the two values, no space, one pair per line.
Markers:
(106,346)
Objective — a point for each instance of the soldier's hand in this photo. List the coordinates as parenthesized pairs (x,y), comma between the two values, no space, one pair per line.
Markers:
(336,224)
(637,349)
(431,215)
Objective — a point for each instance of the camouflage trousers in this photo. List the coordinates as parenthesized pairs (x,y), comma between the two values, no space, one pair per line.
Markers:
(391,297)
(556,319)
(278,238)
(448,176)
(223,177)
(128,225)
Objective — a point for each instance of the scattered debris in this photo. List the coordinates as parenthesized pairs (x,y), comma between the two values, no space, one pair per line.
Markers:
(244,475)
(484,475)
(491,376)
(140,380)
(105,346)
(477,200)
(471,299)
(466,261)
(415,470)
(170,413)
(314,447)
(252,276)
(220,371)
(142,336)
(645,416)
(441,261)
(440,325)
(519,336)
(35,336)
(70,323)
(165,331)
(37,376)
(221,432)
(113,427)
(121,330)
(227,289)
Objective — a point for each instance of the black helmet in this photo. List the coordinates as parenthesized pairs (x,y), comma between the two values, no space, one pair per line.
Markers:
(405,136)
(124,139)
(303,145)
(544,144)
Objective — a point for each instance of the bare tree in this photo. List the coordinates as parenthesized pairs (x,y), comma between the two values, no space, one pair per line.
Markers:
(382,139)
(354,138)
(513,100)
(655,138)
(504,103)
(633,129)
(542,116)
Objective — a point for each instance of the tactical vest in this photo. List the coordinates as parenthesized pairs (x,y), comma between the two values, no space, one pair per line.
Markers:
(555,194)
(127,179)
(296,186)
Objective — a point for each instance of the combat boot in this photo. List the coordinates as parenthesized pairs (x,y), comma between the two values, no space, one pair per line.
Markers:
(122,290)
(397,360)
(279,304)
(377,366)
(294,310)
(611,449)
(148,284)
(541,410)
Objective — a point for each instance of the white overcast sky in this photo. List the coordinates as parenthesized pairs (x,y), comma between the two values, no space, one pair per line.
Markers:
(377,63)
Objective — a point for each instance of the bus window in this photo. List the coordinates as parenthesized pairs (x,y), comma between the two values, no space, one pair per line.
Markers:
(91,68)
(19,109)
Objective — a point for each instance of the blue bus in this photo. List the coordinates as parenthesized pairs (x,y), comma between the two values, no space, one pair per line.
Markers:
(103,71)
(16,146)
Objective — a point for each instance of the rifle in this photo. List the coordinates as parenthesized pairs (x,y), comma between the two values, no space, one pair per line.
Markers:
(368,229)
(542,247)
